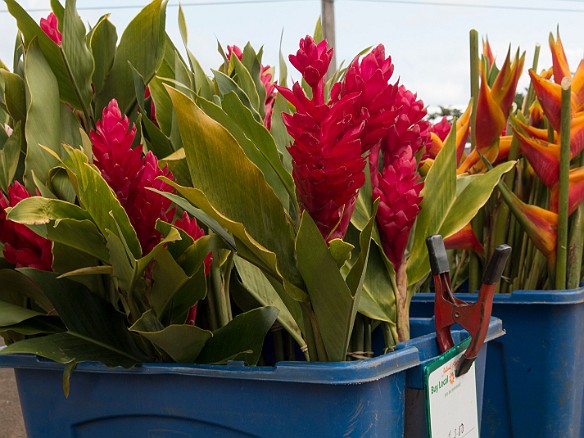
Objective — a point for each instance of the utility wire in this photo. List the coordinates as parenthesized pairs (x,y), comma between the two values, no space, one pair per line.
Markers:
(473,5)
(403,2)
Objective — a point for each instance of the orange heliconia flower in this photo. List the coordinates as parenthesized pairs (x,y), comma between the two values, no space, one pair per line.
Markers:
(494,103)
(465,239)
(575,191)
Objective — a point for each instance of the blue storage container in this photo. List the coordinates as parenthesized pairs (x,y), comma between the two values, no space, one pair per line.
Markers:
(534,385)
(291,399)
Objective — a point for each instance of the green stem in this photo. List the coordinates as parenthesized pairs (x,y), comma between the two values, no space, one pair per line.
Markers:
(474,273)
(368,347)
(220,309)
(576,243)
(562,248)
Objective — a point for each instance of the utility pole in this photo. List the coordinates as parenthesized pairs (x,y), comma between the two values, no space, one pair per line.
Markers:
(328,30)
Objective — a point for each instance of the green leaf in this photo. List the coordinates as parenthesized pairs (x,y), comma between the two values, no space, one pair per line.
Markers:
(256,142)
(340,250)
(265,293)
(43,120)
(96,331)
(253,64)
(36,210)
(100,201)
(59,11)
(241,339)
(141,45)
(37,325)
(279,131)
(246,83)
(103,47)
(60,184)
(203,85)
(182,343)
(77,56)
(70,127)
(182,25)
(70,347)
(216,161)
(9,158)
(332,300)
(177,163)
(318,35)
(51,51)
(227,85)
(448,204)
(23,283)
(14,95)
(11,314)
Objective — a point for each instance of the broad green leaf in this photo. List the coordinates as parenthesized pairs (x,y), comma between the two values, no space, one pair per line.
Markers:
(37,210)
(252,63)
(168,277)
(232,188)
(279,131)
(68,260)
(226,85)
(60,184)
(318,34)
(238,120)
(241,339)
(100,201)
(203,85)
(448,204)
(141,45)
(182,26)
(23,282)
(43,120)
(142,263)
(163,104)
(193,258)
(244,80)
(14,95)
(11,314)
(61,222)
(340,250)
(378,295)
(182,343)
(123,264)
(37,325)
(91,322)
(103,47)
(177,163)
(70,127)
(199,214)
(474,194)
(364,207)
(69,347)
(9,158)
(59,11)
(267,294)
(51,51)
(77,56)
(333,302)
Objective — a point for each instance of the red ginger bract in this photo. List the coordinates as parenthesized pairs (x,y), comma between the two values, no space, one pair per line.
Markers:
(327,165)
(22,247)
(50,26)
(130,174)
(398,184)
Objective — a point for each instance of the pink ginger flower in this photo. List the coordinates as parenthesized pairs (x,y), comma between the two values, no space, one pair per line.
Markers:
(22,247)
(369,78)
(327,165)
(130,173)
(50,26)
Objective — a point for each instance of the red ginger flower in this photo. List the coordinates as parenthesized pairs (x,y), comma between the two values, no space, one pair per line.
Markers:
(441,128)
(130,174)
(234,50)
(369,78)
(327,165)
(22,247)
(50,26)
(399,202)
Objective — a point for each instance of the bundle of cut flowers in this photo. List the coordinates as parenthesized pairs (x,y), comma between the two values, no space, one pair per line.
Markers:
(151,213)
(538,208)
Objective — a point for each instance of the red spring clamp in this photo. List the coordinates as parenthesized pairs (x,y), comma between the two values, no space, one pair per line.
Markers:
(449,310)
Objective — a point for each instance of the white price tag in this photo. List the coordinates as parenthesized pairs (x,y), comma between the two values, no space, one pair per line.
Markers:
(451,402)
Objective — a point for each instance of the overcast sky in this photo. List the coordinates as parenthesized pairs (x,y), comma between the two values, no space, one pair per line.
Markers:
(428,40)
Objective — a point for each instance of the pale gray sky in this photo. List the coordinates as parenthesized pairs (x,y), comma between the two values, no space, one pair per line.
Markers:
(428,40)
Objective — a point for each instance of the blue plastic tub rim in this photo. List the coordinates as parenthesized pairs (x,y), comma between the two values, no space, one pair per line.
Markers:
(548,297)
(355,372)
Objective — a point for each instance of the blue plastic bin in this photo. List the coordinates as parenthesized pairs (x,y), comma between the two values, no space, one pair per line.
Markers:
(291,399)
(534,385)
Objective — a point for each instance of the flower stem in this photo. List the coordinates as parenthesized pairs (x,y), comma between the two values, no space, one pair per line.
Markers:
(562,248)
(576,243)
(477,223)
(531,92)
